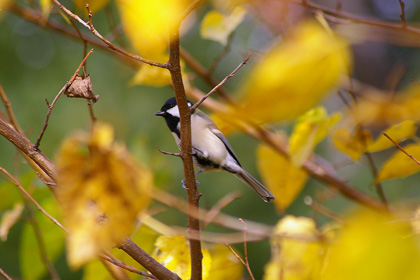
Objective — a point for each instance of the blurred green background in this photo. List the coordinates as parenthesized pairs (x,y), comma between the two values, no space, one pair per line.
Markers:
(35,63)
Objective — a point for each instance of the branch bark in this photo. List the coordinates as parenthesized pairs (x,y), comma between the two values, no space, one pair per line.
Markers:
(193,195)
(147,261)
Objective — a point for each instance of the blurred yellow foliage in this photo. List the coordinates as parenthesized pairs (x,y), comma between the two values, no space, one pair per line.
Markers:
(45,8)
(399,165)
(174,253)
(217,26)
(295,75)
(310,129)
(388,109)
(9,219)
(398,132)
(373,246)
(354,144)
(149,25)
(296,250)
(218,261)
(281,176)
(94,5)
(102,191)
(224,265)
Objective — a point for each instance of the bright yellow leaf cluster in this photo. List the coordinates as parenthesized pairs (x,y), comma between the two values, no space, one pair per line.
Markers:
(281,176)
(297,252)
(373,246)
(382,109)
(101,190)
(295,75)
(353,144)
(217,26)
(218,262)
(149,26)
(310,129)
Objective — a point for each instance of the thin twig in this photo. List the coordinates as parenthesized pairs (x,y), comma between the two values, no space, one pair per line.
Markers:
(400,148)
(342,15)
(4,274)
(193,107)
(126,266)
(168,153)
(103,39)
(22,189)
(402,15)
(248,267)
(41,242)
(147,261)
(50,107)
(321,209)
(189,9)
(205,75)
(218,207)
(9,110)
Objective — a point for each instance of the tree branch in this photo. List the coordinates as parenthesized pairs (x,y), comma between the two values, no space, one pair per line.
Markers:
(147,261)
(193,194)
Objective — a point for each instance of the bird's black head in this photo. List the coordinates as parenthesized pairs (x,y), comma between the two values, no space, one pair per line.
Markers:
(170,112)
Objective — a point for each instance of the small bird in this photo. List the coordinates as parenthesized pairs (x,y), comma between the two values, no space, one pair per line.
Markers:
(211,150)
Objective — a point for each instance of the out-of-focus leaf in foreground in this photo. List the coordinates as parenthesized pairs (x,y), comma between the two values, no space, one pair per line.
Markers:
(398,132)
(102,191)
(310,129)
(224,264)
(9,219)
(378,108)
(149,25)
(354,144)
(217,26)
(174,253)
(296,250)
(399,165)
(295,75)
(374,246)
(281,176)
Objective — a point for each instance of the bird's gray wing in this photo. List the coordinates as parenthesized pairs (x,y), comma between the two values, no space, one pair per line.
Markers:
(213,127)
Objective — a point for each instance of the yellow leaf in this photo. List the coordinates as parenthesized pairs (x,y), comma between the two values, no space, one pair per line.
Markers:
(398,132)
(226,125)
(94,5)
(388,109)
(10,217)
(224,265)
(399,165)
(310,129)
(46,8)
(296,250)
(151,76)
(174,254)
(217,26)
(295,75)
(354,145)
(282,177)
(102,191)
(373,246)
(149,23)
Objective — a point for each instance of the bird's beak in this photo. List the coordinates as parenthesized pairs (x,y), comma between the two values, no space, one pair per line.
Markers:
(160,113)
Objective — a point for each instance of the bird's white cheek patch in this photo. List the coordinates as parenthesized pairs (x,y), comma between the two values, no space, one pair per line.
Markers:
(174,111)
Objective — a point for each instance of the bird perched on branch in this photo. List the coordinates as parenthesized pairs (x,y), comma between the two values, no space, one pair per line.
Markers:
(211,150)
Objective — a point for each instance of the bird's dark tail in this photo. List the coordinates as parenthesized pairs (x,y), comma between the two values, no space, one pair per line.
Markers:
(259,188)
